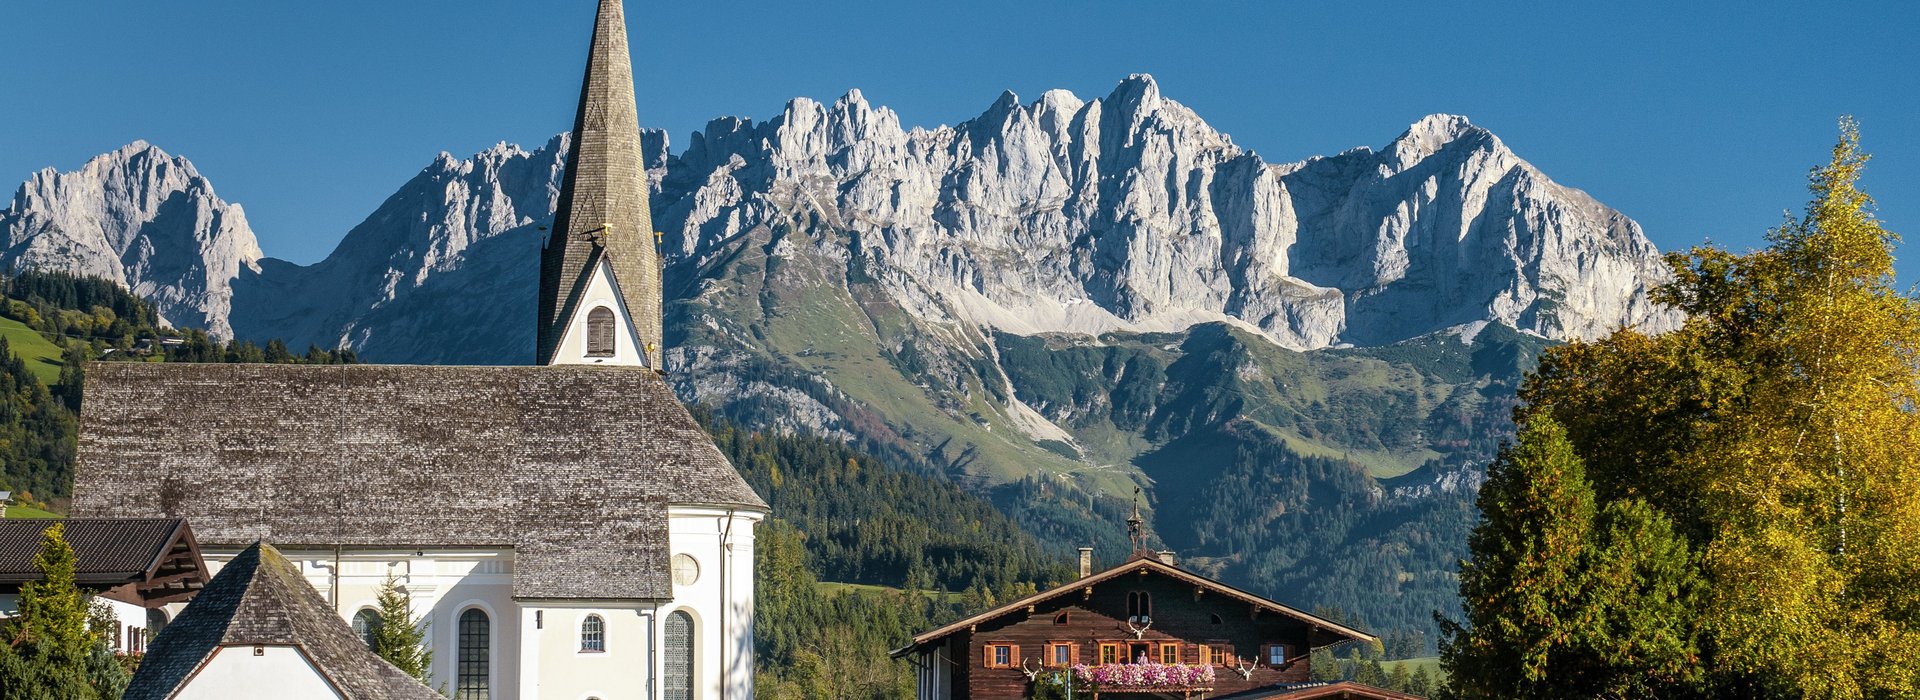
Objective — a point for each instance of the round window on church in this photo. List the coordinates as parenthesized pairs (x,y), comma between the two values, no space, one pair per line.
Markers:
(685,570)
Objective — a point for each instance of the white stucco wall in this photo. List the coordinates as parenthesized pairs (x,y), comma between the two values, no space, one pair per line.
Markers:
(601,291)
(545,661)
(552,664)
(442,584)
(281,673)
(721,601)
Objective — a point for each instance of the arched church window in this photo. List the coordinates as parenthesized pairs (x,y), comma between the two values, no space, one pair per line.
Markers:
(678,674)
(156,620)
(366,623)
(476,642)
(593,634)
(600,332)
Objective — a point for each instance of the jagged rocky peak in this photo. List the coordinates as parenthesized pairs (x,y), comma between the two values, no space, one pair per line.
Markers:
(141,217)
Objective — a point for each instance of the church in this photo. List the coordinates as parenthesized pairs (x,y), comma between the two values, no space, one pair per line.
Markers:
(564,530)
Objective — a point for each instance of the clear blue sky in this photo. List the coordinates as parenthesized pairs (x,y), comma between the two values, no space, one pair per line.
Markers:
(1699,121)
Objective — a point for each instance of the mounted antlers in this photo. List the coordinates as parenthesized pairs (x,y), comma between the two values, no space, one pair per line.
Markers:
(1033,674)
(1243,667)
(1139,631)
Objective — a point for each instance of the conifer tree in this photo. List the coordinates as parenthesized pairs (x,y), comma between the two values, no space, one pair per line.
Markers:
(399,638)
(47,645)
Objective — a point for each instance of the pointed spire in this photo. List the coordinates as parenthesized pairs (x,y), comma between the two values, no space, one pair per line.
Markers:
(603,214)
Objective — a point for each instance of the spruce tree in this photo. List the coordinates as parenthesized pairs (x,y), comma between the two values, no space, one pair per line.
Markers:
(399,638)
(47,645)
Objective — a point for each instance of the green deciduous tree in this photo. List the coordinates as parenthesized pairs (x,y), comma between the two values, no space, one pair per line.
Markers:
(1773,432)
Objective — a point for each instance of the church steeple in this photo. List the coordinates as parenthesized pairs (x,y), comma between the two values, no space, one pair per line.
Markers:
(600,298)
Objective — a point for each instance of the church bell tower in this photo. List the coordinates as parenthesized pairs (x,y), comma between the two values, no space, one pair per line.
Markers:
(600,298)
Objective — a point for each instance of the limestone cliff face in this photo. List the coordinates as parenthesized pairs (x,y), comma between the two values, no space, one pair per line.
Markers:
(1124,213)
(1131,213)
(140,217)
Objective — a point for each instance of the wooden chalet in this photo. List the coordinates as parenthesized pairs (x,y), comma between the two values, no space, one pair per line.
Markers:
(137,564)
(1144,629)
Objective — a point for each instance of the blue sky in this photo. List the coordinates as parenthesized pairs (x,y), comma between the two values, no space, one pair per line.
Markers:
(1698,121)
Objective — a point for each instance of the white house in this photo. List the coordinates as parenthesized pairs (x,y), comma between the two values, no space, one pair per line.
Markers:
(135,565)
(565,530)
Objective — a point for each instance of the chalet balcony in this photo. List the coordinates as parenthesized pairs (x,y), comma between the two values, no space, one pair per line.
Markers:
(1143,679)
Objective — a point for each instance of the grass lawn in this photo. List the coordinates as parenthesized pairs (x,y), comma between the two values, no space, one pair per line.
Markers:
(18,512)
(41,355)
(1431,663)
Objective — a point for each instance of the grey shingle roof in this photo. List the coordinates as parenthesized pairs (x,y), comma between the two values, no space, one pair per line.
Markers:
(571,466)
(105,550)
(261,598)
(603,212)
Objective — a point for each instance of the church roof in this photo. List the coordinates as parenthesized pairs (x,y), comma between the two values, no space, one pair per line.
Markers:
(260,598)
(602,211)
(571,466)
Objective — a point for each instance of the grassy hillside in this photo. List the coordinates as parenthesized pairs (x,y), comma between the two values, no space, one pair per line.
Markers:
(41,356)
(28,512)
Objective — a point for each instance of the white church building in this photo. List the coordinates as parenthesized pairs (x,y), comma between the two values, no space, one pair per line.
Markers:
(564,530)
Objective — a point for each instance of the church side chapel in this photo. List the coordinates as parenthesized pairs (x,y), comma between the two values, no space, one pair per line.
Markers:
(565,530)
(1143,629)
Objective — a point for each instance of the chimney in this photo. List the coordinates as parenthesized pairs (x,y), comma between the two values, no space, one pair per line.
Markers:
(1086,562)
(1166,557)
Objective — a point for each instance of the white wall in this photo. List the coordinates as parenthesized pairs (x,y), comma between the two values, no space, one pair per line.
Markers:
(552,664)
(601,291)
(442,584)
(277,672)
(131,621)
(720,602)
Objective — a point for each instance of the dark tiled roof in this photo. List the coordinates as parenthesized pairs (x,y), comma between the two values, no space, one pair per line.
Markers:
(106,550)
(571,466)
(260,598)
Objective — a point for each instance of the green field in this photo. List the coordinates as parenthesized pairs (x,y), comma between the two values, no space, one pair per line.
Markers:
(18,512)
(42,356)
(1431,663)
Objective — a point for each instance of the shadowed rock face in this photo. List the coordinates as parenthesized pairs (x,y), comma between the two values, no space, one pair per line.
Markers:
(140,217)
(1059,215)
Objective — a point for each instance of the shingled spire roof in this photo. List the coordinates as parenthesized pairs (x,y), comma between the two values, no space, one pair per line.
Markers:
(260,599)
(603,211)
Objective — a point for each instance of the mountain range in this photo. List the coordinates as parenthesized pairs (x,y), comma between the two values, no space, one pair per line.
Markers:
(1054,302)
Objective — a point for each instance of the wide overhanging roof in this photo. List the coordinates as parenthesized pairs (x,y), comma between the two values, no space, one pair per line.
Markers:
(1137,565)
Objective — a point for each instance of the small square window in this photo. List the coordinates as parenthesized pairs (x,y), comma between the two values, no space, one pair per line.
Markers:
(1062,655)
(1276,655)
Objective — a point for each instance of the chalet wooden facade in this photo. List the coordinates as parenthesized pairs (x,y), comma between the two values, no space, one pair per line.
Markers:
(1179,635)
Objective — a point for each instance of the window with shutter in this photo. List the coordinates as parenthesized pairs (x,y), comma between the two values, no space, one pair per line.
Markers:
(600,332)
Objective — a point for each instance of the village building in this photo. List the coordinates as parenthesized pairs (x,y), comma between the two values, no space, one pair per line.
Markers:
(565,530)
(257,631)
(137,566)
(1143,629)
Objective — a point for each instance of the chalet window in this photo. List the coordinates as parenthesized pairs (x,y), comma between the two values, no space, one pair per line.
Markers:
(1109,653)
(475,657)
(593,635)
(366,623)
(1215,618)
(1062,654)
(1002,655)
(1214,653)
(1169,653)
(1060,619)
(156,620)
(1139,607)
(600,332)
(679,666)
(1276,654)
